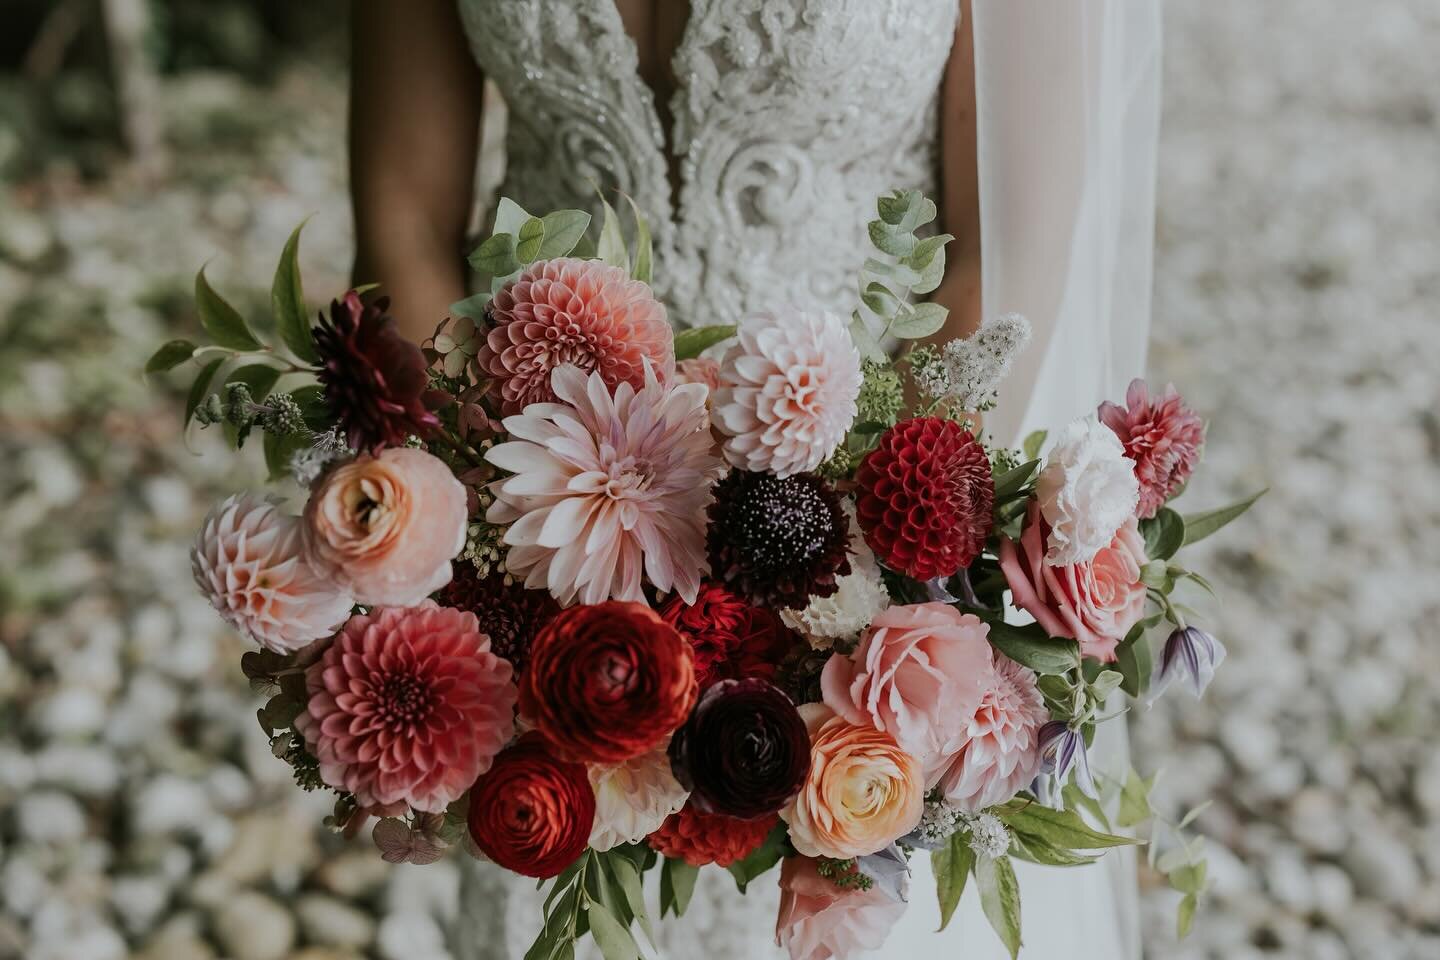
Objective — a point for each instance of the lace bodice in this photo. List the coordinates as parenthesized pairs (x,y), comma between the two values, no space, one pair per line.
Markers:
(790,117)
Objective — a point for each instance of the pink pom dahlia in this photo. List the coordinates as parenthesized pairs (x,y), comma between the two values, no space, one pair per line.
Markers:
(408,707)
(1001,754)
(607,489)
(250,564)
(580,312)
(1162,435)
(787,392)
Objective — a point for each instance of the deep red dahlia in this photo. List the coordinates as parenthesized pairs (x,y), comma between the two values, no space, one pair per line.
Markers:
(1162,435)
(778,541)
(699,838)
(732,638)
(925,497)
(508,613)
(375,380)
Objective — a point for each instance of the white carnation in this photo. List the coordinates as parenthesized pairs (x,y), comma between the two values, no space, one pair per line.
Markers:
(1087,491)
(858,599)
(633,798)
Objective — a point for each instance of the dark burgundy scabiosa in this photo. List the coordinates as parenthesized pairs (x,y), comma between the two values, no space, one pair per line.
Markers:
(743,752)
(777,541)
(375,380)
(732,637)
(508,613)
(1162,435)
(925,497)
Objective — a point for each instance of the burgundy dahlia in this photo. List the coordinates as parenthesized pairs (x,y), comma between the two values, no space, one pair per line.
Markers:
(732,638)
(925,497)
(1162,435)
(375,380)
(777,541)
(508,613)
(743,752)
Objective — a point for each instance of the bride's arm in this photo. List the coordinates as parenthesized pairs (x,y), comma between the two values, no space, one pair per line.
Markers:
(414,129)
(960,186)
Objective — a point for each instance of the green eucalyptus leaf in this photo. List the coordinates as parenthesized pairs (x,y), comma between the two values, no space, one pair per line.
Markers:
(1033,443)
(889,240)
(1198,526)
(471,308)
(1189,878)
(529,240)
(287,302)
(1134,800)
(1164,534)
(924,252)
(893,208)
(1030,646)
(951,864)
(864,340)
(879,299)
(611,247)
(496,256)
(169,356)
(898,272)
(563,230)
(509,216)
(931,276)
(1000,899)
(695,341)
(200,387)
(223,322)
(923,320)
(644,254)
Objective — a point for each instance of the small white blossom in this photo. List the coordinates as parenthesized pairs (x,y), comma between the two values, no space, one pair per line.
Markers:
(969,371)
(307,463)
(988,836)
(940,820)
(859,598)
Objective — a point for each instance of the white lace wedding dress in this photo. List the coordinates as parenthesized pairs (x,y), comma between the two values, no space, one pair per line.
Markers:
(789,118)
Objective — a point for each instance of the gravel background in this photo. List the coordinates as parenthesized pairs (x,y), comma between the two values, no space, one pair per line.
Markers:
(140,812)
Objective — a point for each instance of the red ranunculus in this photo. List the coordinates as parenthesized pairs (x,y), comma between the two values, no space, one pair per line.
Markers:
(732,637)
(532,812)
(607,682)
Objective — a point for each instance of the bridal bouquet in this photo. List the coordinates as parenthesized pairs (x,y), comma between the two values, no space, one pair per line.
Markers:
(588,598)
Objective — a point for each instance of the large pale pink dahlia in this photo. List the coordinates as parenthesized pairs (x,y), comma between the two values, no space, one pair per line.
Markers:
(607,490)
(1001,754)
(787,392)
(249,562)
(580,312)
(408,707)
(1162,435)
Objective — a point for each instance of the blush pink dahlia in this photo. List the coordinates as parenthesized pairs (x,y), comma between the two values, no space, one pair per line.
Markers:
(1162,435)
(250,564)
(580,312)
(787,392)
(607,489)
(408,707)
(1001,753)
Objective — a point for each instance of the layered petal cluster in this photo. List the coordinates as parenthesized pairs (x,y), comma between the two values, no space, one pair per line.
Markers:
(1162,435)
(787,391)
(386,527)
(859,597)
(732,637)
(924,498)
(700,838)
(607,491)
(532,812)
(1001,753)
(919,674)
(820,920)
(1095,603)
(580,313)
(249,562)
(633,798)
(1087,489)
(407,707)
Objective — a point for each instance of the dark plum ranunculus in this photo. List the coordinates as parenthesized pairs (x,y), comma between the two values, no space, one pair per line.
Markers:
(744,751)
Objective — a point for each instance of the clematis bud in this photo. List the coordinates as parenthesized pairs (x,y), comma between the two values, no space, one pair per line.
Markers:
(1062,751)
(1190,658)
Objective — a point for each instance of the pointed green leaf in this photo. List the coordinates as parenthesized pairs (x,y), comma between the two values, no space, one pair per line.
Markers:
(1033,849)
(1033,443)
(1134,800)
(496,256)
(695,341)
(200,388)
(223,322)
(627,877)
(169,356)
(1000,899)
(879,300)
(509,217)
(1164,534)
(951,865)
(644,255)
(1190,878)
(923,320)
(287,302)
(1185,915)
(611,246)
(864,341)
(681,877)
(761,859)
(563,230)
(1012,480)
(610,935)
(1031,647)
(1198,526)
(1134,660)
(887,239)
(1062,828)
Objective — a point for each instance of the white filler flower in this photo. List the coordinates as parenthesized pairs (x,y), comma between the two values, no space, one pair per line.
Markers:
(1087,490)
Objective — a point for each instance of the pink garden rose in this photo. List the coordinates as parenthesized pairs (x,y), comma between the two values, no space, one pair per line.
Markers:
(386,527)
(919,674)
(1095,603)
(820,921)
(1162,435)
(1001,752)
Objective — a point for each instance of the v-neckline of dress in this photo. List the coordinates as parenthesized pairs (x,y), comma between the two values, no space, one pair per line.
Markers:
(671,157)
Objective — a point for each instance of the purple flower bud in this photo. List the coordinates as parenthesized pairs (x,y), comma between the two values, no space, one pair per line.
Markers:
(1191,656)
(1062,751)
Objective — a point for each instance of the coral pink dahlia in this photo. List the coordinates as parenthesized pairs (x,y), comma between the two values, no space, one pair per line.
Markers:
(787,392)
(607,490)
(250,564)
(408,707)
(1001,754)
(1162,435)
(580,312)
